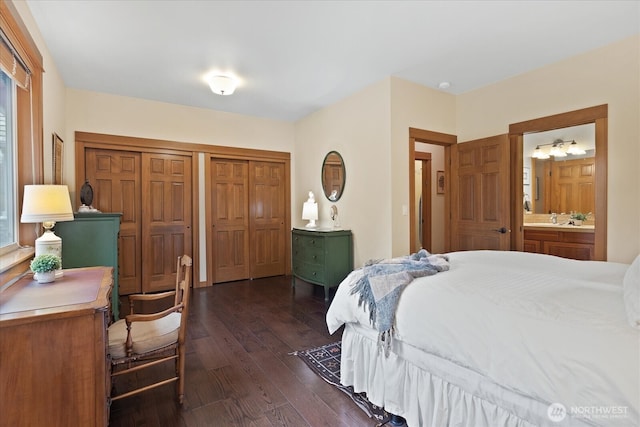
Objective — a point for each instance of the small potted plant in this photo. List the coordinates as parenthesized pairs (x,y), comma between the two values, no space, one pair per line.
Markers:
(578,217)
(45,266)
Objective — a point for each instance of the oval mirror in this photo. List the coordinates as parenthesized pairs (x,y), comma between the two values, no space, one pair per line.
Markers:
(333,176)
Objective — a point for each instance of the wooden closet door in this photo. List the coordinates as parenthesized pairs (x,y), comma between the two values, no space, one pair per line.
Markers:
(115,178)
(230,216)
(166,217)
(267,218)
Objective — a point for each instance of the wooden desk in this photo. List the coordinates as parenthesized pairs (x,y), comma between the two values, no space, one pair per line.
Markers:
(53,350)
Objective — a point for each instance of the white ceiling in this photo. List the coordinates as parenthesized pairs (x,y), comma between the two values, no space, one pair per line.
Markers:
(295,57)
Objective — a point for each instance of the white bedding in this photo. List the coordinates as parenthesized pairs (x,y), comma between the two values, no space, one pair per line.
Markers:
(548,329)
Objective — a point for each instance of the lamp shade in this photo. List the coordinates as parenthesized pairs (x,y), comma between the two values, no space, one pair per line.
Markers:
(310,213)
(46,203)
(222,85)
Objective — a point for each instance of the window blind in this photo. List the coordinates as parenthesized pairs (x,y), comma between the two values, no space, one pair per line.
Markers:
(12,64)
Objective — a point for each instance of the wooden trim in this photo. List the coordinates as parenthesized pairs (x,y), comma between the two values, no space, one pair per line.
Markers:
(125,143)
(562,120)
(434,138)
(18,34)
(597,115)
(600,244)
(517,192)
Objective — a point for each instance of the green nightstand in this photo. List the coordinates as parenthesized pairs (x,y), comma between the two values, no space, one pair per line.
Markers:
(91,239)
(321,257)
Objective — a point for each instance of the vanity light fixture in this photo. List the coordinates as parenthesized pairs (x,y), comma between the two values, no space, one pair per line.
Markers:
(575,150)
(539,154)
(557,149)
(222,85)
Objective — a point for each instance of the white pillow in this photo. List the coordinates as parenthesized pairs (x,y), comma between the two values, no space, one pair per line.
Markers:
(631,289)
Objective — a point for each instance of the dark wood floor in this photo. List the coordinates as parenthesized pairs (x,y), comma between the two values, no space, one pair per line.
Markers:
(238,369)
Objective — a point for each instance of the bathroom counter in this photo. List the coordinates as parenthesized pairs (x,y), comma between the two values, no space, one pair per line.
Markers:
(562,227)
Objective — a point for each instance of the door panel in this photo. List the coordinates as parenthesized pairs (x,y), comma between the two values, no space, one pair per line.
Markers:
(480,194)
(166,217)
(573,186)
(267,219)
(230,216)
(115,178)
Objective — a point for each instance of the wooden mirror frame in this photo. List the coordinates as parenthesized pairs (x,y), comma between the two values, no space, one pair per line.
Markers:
(597,115)
(334,175)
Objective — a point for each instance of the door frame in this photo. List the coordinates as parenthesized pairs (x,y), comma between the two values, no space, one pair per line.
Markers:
(425,178)
(435,138)
(597,115)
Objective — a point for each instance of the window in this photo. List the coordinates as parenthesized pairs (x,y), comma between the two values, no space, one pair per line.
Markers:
(21,132)
(8,222)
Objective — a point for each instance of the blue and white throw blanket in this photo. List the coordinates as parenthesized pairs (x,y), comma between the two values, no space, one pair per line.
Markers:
(383,281)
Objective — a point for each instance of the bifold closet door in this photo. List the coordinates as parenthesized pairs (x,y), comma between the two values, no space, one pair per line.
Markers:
(153,192)
(116,180)
(166,217)
(248,217)
(230,217)
(267,218)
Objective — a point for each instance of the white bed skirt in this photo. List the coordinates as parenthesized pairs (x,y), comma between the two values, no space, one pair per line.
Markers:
(429,391)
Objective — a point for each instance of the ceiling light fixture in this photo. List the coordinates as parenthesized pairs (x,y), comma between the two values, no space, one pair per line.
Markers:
(444,85)
(222,85)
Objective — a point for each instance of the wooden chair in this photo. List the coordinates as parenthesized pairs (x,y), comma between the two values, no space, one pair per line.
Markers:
(140,341)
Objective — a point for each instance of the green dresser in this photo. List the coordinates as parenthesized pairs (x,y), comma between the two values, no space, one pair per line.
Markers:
(321,257)
(91,239)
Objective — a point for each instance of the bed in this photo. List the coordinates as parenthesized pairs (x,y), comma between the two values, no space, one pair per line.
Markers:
(508,339)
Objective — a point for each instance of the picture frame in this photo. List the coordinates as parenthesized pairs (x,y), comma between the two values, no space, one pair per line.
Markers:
(526,176)
(440,182)
(58,150)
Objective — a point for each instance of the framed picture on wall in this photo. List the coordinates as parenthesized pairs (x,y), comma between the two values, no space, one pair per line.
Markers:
(440,182)
(57,159)
(526,176)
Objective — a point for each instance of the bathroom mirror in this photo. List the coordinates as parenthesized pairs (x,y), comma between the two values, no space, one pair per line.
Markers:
(561,183)
(333,176)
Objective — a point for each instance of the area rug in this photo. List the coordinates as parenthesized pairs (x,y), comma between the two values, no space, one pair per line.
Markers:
(325,361)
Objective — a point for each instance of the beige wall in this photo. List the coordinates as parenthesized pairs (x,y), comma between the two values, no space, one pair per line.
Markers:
(118,115)
(358,128)
(610,75)
(417,106)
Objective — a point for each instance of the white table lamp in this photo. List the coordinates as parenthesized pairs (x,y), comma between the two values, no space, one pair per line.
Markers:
(47,204)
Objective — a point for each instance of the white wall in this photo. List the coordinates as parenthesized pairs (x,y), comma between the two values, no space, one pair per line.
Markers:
(609,75)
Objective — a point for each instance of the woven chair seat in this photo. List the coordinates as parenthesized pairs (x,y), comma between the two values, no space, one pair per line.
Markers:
(147,336)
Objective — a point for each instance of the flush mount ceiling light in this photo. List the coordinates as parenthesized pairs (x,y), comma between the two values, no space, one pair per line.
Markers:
(222,85)
(444,85)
